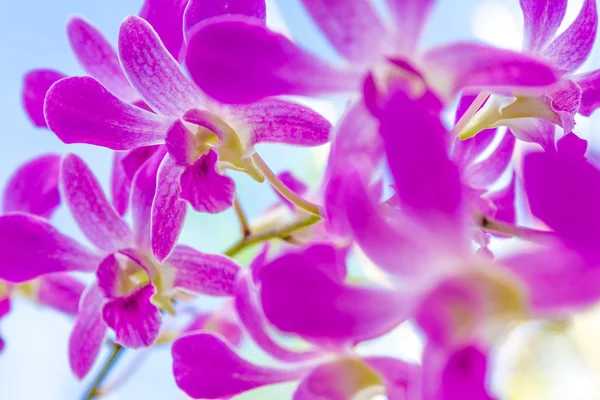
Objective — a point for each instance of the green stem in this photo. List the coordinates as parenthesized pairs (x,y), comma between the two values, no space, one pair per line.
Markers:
(241,215)
(94,391)
(281,233)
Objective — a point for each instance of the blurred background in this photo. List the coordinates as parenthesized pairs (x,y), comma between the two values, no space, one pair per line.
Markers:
(34,363)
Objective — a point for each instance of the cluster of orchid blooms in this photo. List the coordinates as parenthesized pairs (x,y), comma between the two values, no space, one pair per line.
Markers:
(192,88)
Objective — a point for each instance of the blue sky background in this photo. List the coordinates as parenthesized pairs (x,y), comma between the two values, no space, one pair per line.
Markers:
(34,364)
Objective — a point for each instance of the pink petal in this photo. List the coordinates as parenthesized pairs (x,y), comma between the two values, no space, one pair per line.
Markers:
(90,208)
(153,72)
(464,376)
(281,121)
(572,145)
(272,65)
(415,141)
(120,184)
(61,292)
(31,247)
(410,17)
(344,378)
(401,379)
(335,313)
(143,190)
(590,92)
(211,274)
(217,322)
(81,110)
(504,201)
(110,277)
(254,322)
(353,28)
(98,58)
(182,144)
(455,66)
(206,367)
(200,10)
(35,85)
(88,333)
(205,188)
(572,47)
(564,192)
(542,19)
(33,188)
(168,210)
(135,320)
(534,130)
(166,17)
(558,280)
(489,170)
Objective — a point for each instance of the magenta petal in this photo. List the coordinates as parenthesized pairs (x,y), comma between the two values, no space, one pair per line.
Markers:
(206,367)
(98,58)
(410,17)
(94,214)
(211,274)
(253,320)
(334,313)
(353,28)
(452,67)
(542,19)
(564,192)
(135,320)
(88,333)
(489,170)
(590,92)
(281,121)
(400,378)
(35,85)
(33,188)
(166,17)
(153,72)
(109,277)
(534,130)
(205,188)
(217,322)
(120,184)
(464,376)
(415,142)
(182,144)
(572,47)
(81,110)
(273,65)
(201,10)
(61,292)
(30,247)
(504,201)
(168,210)
(572,145)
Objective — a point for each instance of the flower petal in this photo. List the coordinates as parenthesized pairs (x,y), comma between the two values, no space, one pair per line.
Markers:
(206,367)
(401,379)
(120,184)
(504,201)
(335,313)
(281,121)
(572,47)
(61,292)
(346,378)
(166,17)
(410,17)
(460,65)
(182,144)
(98,58)
(533,130)
(81,110)
(33,188)
(353,28)
(205,188)
(542,20)
(253,320)
(218,322)
(465,368)
(88,333)
(35,85)
(90,208)
(590,92)
(168,210)
(153,72)
(200,10)
(489,170)
(31,247)
(211,274)
(564,192)
(272,64)
(135,320)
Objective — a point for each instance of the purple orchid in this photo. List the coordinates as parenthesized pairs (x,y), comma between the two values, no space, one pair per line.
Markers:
(202,143)
(532,119)
(131,285)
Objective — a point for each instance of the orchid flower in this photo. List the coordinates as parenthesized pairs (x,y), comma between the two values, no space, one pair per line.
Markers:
(532,119)
(131,284)
(33,189)
(203,138)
